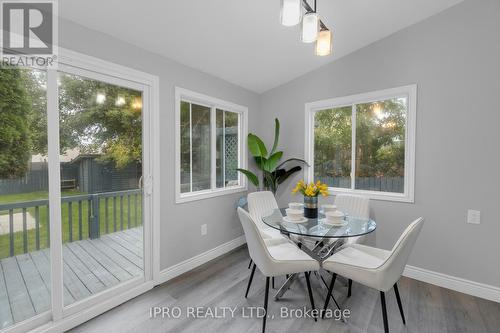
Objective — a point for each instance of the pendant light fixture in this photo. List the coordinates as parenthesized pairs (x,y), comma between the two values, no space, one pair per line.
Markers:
(324,43)
(291,12)
(313,29)
(310,26)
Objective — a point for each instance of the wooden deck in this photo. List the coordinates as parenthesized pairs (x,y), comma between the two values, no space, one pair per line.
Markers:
(90,266)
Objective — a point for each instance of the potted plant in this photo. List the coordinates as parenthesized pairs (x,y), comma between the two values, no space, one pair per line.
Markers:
(273,171)
(311,192)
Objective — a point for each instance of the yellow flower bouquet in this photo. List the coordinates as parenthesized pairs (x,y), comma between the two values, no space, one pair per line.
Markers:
(311,189)
(311,192)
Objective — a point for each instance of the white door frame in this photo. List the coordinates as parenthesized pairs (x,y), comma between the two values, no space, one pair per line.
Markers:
(61,318)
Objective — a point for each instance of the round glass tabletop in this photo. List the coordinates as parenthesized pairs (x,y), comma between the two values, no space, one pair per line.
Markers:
(353,226)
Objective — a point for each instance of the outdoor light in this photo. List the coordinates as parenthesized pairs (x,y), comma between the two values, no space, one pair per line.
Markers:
(310,25)
(324,43)
(120,100)
(291,12)
(100,98)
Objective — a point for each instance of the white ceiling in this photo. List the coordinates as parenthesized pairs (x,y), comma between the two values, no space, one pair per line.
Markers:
(242,41)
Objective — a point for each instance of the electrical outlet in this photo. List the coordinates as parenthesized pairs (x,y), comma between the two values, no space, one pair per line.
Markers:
(473,216)
(203,229)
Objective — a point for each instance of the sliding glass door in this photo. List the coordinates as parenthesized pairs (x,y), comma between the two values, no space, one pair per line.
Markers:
(101,159)
(25,281)
(75,190)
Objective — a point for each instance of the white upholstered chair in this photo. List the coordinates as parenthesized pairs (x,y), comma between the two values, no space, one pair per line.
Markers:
(357,206)
(376,268)
(274,260)
(353,205)
(259,204)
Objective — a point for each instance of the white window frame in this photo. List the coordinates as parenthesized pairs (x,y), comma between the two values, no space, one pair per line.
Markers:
(189,96)
(410,92)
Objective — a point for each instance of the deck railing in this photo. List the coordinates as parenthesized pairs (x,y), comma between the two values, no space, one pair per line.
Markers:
(83,216)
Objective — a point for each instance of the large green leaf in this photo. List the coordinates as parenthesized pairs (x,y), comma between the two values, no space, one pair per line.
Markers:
(290,160)
(272,161)
(276,135)
(251,176)
(256,146)
(282,176)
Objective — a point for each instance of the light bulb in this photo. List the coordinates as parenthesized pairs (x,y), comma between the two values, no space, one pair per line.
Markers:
(324,43)
(291,12)
(310,25)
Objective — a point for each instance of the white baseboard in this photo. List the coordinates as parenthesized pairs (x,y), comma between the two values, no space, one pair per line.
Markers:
(465,286)
(198,260)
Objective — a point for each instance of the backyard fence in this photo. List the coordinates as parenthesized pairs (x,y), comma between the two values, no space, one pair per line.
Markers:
(33,181)
(380,184)
(83,216)
(86,174)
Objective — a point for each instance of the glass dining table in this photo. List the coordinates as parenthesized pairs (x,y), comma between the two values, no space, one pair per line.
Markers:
(317,237)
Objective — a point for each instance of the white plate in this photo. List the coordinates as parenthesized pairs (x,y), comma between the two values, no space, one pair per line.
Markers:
(301,220)
(333,224)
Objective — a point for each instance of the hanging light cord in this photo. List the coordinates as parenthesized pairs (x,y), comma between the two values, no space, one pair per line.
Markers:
(309,9)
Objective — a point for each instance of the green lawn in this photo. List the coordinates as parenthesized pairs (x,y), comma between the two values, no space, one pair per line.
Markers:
(121,217)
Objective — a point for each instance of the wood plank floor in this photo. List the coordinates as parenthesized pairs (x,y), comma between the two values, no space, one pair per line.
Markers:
(222,283)
(90,266)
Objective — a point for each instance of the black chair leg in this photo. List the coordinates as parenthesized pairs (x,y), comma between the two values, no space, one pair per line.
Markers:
(349,288)
(266,296)
(272,282)
(311,298)
(398,298)
(327,300)
(250,280)
(384,312)
(250,263)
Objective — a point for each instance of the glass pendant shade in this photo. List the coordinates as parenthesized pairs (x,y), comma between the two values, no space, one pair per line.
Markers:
(310,27)
(324,43)
(291,12)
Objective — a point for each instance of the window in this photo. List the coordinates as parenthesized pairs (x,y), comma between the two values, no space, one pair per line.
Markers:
(364,143)
(209,146)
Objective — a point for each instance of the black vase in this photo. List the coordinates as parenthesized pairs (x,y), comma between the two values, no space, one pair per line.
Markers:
(310,207)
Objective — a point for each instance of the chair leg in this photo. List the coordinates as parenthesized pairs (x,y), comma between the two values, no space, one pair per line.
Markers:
(384,312)
(349,288)
(272,282)
(250,280)
(398,298)
(311,298)
(327,300)
(266,297)
(250,263)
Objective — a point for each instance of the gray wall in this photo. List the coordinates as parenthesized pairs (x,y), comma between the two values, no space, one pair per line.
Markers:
(180,224)
(454,58)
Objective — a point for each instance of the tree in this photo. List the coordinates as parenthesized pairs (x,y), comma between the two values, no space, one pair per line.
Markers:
(15,109)
(100,118)
(380,134)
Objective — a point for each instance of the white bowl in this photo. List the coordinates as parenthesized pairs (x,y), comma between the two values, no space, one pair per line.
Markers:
(296,205)
(294,214)
(329,208)
(334,216)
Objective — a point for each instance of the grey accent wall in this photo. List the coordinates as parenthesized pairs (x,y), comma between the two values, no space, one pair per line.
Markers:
(454,57)
(180,223)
